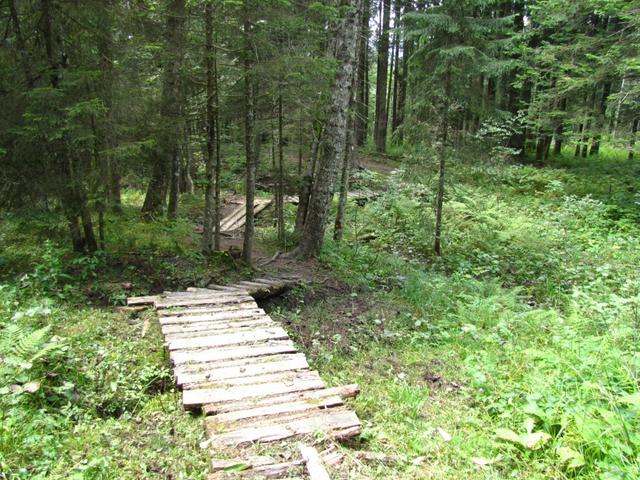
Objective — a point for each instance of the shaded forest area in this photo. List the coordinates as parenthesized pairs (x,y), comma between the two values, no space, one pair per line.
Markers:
(484,290)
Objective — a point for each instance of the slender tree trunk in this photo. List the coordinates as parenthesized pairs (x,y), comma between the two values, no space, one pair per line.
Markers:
(351,145)
(601,119)
(616,117)
(111,176)
(250,153)
(437,243)
(174,186)
(22,48)
(307,183)
(209,214)
(578,141)
(72,194)
(280,202)
(166,155)
(362,74)
(380,128)
(634,133)
(334,145)
(300,143)
(186,180)
(393,91)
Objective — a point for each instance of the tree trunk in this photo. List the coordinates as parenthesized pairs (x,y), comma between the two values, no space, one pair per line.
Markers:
(280,189)
(209,214)
(634,132)
(437,243)
(578,144)
(250,153)
(380,127)
(601,120)
(347,158)
(23,52)
(393,92)
(72,194)
(334,144)
(166,155)
(186,179)
(307,183)
(174,185)
(362,75)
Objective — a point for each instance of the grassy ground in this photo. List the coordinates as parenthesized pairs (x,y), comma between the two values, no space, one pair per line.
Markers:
(513,356)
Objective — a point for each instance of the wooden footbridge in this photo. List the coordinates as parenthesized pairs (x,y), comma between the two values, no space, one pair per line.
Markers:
(241,369)
(237,217)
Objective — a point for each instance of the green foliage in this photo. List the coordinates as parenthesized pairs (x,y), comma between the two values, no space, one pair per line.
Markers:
(532,313)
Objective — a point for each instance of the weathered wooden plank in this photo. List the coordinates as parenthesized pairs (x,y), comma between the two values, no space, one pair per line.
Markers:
(259,472)
(344,391)
(196,397)
(296,363)
(218,464)
(257,323)
(144,300)
(334,423)
(287,376)
(217,326)
(313,463)
(217,354)
(240,362)
(223,307)
(275,333)
(277,409)
(211,317)
(202,300)
(236,214)
(238,217)
(225,288)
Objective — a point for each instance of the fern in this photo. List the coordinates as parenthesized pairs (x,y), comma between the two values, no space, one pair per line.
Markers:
(20,348)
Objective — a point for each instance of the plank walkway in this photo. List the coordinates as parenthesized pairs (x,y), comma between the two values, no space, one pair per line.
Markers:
(241,369)
(237,218)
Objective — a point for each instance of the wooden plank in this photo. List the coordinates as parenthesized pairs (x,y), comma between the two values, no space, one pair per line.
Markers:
(334,423)
(235,215)
(297,363)
(218,464)
(253,285)
(344,391)
(225,288)
(217,354)
(238,217)
(241,362)
(264,323)
(203,300)
(277,409)
(211,317)
(259,472)
(289,377)
(313,463)
(225,307)
(275,333)
(145,300)
(196,397)
(215,326)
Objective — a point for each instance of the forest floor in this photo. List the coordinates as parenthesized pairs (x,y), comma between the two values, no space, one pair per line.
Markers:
(515,355)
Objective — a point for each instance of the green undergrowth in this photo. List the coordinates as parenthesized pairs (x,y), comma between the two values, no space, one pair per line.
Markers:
(86,393)
(515,355)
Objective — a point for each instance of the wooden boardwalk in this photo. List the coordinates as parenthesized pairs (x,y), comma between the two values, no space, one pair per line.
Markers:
(239,367)
(237,217)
